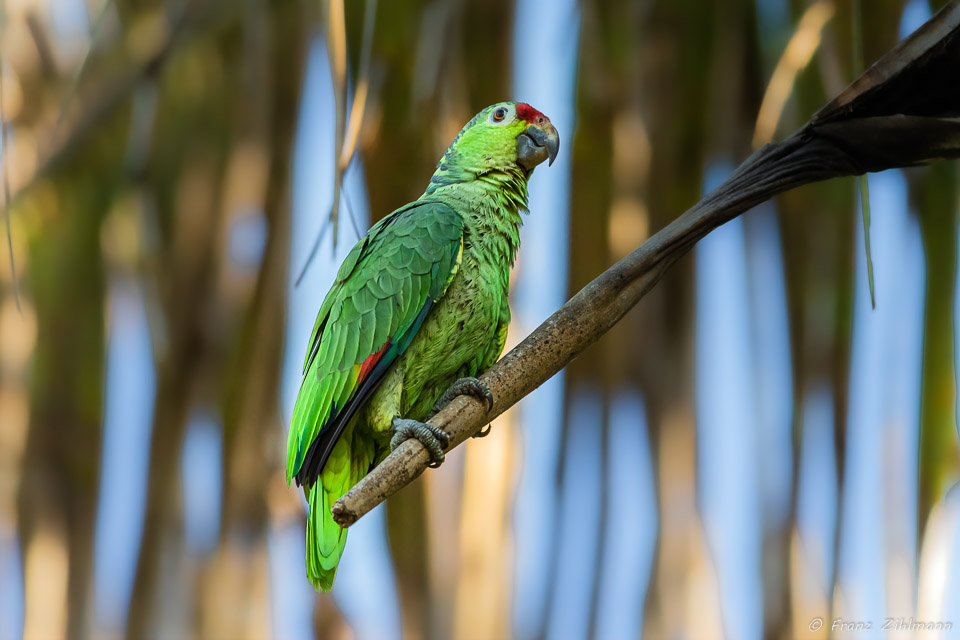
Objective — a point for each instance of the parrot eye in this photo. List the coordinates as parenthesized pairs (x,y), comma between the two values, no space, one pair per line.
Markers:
(499,114)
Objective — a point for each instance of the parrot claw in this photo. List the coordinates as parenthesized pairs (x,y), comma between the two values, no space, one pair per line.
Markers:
(483,433)
(464,387)
(433,439)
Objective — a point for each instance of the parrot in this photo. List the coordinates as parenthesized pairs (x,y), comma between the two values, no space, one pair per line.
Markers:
(418,309)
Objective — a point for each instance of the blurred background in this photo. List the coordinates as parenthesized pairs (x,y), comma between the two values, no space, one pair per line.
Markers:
(752,449)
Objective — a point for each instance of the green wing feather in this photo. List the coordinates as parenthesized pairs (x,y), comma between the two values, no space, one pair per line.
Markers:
(384,289)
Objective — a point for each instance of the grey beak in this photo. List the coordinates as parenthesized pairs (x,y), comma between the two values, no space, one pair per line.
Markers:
(536,144)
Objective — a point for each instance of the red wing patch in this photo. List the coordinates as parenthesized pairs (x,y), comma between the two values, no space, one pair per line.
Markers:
(371,361)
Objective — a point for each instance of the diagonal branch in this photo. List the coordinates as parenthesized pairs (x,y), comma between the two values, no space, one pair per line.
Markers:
(889,117)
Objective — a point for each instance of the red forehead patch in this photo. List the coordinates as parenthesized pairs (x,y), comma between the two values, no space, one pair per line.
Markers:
(528,114)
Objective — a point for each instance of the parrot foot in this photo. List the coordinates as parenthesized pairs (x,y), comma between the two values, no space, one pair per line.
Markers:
(464,387)
(433,439)
(483,433)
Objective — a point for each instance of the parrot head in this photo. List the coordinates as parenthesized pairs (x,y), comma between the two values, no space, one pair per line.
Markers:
(505,138)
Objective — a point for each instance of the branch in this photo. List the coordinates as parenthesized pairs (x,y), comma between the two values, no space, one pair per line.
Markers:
(898,113)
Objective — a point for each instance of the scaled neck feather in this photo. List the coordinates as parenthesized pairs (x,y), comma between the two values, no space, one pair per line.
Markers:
(490,204)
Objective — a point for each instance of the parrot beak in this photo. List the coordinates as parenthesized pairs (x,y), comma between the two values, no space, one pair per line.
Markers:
(537,143)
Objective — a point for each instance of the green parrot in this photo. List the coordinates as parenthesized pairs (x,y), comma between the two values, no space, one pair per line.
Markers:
(419,303)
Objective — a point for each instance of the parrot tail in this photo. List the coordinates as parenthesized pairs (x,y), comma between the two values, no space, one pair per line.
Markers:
(325,538)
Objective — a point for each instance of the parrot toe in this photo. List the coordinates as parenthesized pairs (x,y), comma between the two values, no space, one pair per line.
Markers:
(465,387)
(433,439)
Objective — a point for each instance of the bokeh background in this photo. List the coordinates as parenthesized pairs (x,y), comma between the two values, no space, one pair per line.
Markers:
(753,448)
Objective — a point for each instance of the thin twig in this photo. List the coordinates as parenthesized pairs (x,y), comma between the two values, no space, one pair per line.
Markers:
(862,182)
(346,136)
(353,218)
(5,150)
(358,108)
(313,250)
(337,54)
(337,48)
(78,74)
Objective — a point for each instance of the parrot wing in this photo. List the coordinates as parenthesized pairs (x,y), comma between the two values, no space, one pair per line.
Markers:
(384,290)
